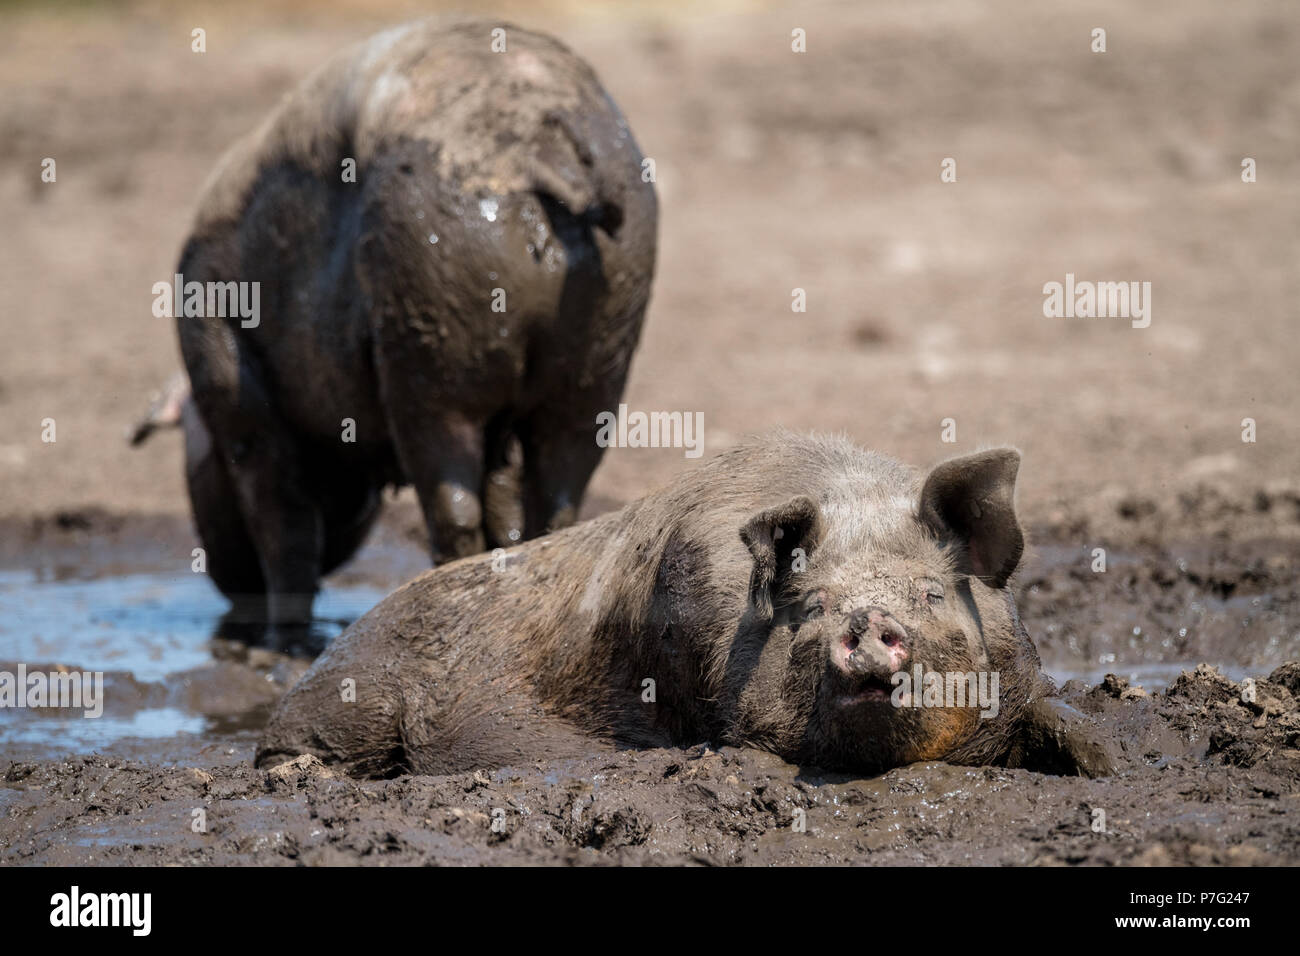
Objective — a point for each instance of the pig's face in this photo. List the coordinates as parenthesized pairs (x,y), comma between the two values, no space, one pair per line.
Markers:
(881,593)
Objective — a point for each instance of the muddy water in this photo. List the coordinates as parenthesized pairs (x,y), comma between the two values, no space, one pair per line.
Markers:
(151,636)
(1151,615)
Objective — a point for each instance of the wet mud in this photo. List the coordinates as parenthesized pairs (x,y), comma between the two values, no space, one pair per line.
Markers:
(1209,755)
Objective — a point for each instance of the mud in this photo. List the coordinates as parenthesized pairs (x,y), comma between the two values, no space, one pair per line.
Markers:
(1208,782)
(775,172)
(1206,779)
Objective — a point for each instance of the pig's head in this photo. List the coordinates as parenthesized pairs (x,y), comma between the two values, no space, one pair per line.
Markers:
(853,592)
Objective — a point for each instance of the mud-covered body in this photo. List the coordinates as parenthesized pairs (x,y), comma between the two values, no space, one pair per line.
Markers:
(672,621)
(454,249)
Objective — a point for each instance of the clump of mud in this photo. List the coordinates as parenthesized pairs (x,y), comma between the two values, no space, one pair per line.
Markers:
(1210,775)
(1204,716)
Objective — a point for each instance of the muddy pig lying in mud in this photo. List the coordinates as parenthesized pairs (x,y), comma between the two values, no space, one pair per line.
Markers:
(780,596)
(452,246)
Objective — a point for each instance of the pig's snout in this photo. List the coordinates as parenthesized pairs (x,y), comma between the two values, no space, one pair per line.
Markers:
(875,644)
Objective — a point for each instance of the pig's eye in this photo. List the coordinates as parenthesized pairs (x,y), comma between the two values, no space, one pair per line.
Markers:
(814,605)
(934,595)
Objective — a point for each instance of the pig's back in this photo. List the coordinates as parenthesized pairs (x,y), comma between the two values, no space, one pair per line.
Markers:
(850,484)
(420,81)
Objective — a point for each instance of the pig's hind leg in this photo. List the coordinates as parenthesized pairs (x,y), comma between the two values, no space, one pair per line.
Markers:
(493,724)
(503,504)
(443,456)
(560,454)
(346,715)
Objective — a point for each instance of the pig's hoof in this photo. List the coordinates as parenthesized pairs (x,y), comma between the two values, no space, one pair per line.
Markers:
(296,639)
(1055,738)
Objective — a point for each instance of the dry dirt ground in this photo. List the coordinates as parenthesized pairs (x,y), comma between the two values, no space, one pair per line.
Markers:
(818,171)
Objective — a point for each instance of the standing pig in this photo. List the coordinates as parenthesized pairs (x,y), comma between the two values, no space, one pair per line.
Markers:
(447,246)
(780,596)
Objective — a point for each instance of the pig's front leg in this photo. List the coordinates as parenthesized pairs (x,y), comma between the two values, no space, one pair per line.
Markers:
(1056,738)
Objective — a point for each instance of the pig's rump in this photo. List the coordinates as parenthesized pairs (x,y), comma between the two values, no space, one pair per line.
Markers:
(400,185)
(446,253)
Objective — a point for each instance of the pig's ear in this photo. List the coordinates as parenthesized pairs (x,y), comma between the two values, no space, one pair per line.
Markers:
(971,500)
(772,537)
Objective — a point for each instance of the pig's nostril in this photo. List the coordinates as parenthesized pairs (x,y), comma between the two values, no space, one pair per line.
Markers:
(850,643)
(889,639)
